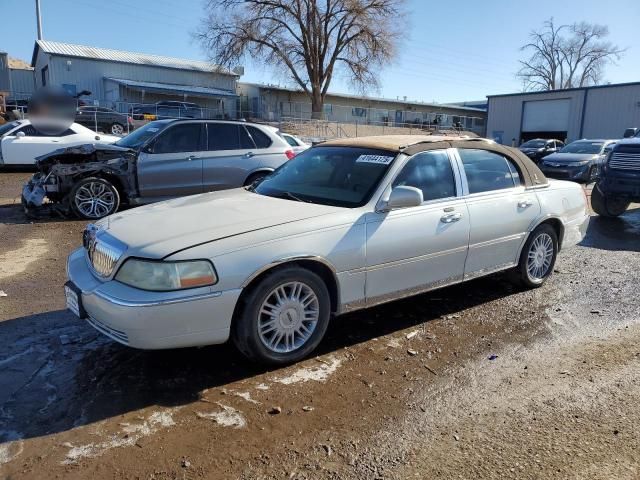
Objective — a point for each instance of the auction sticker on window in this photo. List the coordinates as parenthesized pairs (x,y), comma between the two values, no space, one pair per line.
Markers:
(379,159)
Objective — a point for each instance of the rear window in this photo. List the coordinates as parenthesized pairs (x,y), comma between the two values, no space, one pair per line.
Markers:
(260,138)
(223,136)
(487,171)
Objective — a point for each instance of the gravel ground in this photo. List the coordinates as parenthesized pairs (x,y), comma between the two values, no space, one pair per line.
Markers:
(480,380)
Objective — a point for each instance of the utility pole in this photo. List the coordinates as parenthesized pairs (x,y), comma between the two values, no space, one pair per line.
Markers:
(39,19)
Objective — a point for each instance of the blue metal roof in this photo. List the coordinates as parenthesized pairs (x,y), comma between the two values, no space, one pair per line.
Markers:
(172,88)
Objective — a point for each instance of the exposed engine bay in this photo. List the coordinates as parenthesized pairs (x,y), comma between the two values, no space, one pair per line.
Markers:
(49,190)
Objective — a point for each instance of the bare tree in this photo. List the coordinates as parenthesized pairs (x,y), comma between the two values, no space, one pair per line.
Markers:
(311,39)
(567,56)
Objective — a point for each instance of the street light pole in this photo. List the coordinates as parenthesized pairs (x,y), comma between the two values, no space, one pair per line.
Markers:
(39,19)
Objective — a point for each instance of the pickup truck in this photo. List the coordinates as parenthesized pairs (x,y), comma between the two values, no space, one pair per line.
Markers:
(619,182)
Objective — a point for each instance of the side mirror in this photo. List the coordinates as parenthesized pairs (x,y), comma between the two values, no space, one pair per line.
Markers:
(148,148)
(97,137)
(403,197)
(20,134)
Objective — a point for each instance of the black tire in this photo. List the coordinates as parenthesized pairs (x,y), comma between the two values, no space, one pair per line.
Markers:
(245,329)
(116,129)
(255,177)
(607,206)
(593,175)
(103,189)
(521,273)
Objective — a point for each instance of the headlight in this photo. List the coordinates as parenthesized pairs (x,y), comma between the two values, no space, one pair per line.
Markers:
(166,276)
(582,162)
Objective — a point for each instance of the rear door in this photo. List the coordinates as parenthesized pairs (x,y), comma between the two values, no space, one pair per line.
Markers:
(229,158)
(172,164)
(501,210)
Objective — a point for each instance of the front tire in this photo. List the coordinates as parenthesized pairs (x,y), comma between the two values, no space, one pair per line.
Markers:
(538,257)
(607,206)
(116,129)
(283,318)
(255,178)
(93,198)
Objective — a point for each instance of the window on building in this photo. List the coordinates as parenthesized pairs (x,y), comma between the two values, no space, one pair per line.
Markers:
(358,112)
(431,172)
(44,73)
(179,138)
(487,171)
(69,88)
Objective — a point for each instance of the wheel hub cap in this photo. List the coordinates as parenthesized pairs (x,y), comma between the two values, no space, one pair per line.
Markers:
(540,257)
(288,317)
(94,200)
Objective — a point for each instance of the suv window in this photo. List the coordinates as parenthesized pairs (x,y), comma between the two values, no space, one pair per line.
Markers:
(487,171)
(179,138)
(223,136)
(260,138)
(290,140)
(431,172)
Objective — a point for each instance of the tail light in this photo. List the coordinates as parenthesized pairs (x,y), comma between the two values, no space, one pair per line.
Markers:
(290,154)
(130,120)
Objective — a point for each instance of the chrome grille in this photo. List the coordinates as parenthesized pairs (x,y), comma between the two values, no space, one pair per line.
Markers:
(103,251)
(625,161)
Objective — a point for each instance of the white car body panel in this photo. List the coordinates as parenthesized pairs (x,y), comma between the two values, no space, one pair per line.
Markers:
(24,150)
(373,256)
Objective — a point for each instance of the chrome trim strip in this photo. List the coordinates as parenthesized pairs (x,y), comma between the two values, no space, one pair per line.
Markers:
(489,271)
(153,303)
(496,241)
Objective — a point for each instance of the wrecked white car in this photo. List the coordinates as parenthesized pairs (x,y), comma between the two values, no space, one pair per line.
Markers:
(164,159)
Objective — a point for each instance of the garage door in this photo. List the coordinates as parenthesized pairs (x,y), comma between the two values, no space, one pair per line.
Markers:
(546,116)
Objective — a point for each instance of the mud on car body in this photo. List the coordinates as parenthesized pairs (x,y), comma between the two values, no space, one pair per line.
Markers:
(164,159)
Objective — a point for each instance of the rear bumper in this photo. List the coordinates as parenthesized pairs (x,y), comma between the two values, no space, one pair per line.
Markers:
(575,231)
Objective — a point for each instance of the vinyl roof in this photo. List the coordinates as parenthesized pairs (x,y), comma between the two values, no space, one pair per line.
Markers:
(395,143)
(82,51)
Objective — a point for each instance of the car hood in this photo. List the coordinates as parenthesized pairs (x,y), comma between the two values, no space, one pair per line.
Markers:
(161,229)
(564,158)
(89,152)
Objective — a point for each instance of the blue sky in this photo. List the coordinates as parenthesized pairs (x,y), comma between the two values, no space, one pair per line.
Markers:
(452,51)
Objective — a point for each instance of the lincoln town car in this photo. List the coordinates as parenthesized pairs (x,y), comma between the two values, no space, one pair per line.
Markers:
(345,225)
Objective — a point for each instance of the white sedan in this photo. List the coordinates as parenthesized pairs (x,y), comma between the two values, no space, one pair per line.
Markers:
(21,143)
(344,225)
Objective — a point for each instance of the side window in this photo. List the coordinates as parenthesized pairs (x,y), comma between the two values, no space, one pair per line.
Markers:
(260,138)
(30,131)
(246,142)
(291,141)
(431,172)
(179,138)
(487,171)
(223,136)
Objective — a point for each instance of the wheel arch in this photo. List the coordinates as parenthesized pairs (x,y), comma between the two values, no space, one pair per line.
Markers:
(555,223)
(318,265)
(257,170)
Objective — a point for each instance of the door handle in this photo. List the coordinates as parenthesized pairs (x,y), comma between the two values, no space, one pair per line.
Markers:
(190,157)
(525,203)
(451,217)
(249,155)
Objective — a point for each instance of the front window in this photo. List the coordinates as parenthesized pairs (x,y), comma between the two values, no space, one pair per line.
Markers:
(534,144)
(7,127)
(340,176)
(140,136)
(583,147)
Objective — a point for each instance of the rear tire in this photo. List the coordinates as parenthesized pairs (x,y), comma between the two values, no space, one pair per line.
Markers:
(607,206)
(255,177)
(116,129)
(283,318)
(93,198)
(537,258)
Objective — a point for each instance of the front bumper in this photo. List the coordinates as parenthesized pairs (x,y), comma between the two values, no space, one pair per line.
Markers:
(621,184)
(577,173)
(153,320)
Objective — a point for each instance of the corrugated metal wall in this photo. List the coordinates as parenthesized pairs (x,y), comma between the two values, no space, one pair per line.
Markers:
(505,114)
(610,110)
(88,74)
(22,81)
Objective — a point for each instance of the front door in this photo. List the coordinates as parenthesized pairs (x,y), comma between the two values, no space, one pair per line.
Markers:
(418,248)
(501,211)
(172,165)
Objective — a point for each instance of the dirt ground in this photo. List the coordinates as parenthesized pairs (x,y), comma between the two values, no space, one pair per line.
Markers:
(480,380)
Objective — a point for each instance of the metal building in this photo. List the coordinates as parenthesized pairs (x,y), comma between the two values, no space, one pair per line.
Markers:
(16,77)
(117,78)
(603,111)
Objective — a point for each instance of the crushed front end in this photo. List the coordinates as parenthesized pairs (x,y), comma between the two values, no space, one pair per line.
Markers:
(47,191)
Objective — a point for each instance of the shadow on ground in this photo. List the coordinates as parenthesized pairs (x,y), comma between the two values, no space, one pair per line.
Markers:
(619,233)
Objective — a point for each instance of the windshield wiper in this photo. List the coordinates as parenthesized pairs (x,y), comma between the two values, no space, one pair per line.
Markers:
(291,196)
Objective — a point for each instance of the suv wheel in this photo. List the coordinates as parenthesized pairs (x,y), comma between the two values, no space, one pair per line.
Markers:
(93,198)
(607,206)
(255,178)
(284,317)
(116,129)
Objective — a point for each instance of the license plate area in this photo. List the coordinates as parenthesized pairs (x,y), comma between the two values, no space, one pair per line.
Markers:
(73,296)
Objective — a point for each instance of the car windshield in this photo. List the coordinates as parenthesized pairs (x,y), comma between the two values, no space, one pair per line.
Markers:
(138,137)
(7,127)
(583,147)
(534,144)
(340,176)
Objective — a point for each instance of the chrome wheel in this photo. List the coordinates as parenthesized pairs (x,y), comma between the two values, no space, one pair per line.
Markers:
(540,257)
(117,129)
(95,200)
(288,317)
